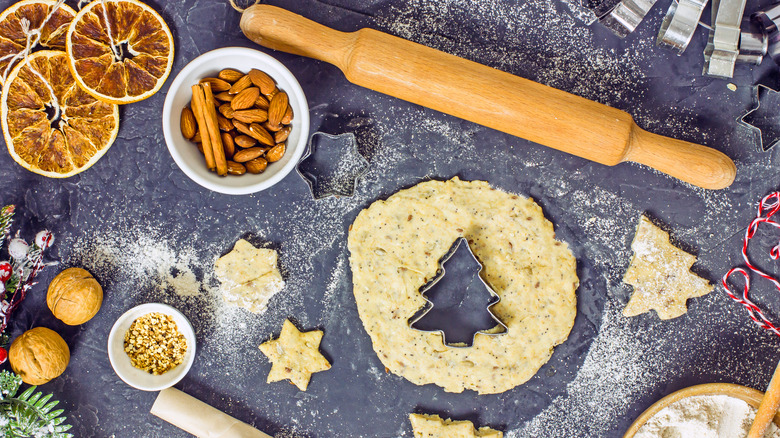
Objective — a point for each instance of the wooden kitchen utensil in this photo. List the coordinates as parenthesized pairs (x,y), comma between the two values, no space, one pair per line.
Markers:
(192,415)
(768,408)
(487,96)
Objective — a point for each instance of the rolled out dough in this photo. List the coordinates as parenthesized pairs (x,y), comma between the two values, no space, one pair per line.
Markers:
(395,247)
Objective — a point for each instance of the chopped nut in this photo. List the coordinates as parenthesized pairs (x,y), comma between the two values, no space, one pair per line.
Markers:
(154,344)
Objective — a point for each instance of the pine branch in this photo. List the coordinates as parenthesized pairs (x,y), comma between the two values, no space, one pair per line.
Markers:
(29,414)
(6,219)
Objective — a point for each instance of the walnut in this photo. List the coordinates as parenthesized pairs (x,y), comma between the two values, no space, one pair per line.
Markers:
(39,355)
(74,296)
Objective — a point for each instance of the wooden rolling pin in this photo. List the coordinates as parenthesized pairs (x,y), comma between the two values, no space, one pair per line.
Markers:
(192,415)
(768,407)
(487,96)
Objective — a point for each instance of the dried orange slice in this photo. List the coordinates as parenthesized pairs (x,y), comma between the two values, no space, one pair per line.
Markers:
(53,28)
(120,54)
(43,140)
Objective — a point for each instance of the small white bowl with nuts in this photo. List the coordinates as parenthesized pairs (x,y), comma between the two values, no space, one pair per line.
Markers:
(220,139)
(152,346)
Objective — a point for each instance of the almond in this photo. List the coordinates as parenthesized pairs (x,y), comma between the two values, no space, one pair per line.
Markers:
(259,133)
(257,165)
(245,99)
(278,108)
(234,168)
(226,110)
(276,153)
(272,128)
(262,81)
(230,75)
(240,85)
(196,138)
(224,96)
(271,95)
(228,145)
(262,102)
(200,147)
(245,141)
(245,155)
(224,124)
(188,123)
(242,128)
(288,116)
(251,115)
(217,85)
(282,135)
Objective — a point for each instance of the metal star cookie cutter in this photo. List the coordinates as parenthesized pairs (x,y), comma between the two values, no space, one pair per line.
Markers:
(495,298)
(332,165)
(768,132)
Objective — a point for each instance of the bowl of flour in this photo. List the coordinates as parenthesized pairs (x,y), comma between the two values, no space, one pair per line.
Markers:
(713,410)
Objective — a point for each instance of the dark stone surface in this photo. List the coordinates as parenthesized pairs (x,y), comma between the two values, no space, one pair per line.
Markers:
(137,190)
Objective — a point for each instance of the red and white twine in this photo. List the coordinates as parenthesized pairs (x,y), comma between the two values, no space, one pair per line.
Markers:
(768,206)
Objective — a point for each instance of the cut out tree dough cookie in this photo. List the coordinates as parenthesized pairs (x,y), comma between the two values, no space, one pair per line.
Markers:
(295,355)
(661,275)
(432,426)
(249,276)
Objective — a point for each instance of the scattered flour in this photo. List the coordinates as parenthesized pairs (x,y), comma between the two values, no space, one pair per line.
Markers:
(613,374)
(704,416)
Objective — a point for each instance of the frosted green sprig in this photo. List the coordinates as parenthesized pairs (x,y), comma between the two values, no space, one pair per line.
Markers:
(30,414)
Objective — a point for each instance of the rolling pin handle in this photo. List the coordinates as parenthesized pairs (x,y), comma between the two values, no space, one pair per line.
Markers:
(279,29)
(695,164)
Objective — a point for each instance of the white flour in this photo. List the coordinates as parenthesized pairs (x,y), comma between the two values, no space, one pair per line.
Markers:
(704,416)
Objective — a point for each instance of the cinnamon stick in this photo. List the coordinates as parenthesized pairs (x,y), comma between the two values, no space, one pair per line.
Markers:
(199,110)
(214,133)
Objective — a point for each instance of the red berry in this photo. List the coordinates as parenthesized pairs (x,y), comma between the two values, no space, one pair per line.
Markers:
(5,271)
(3,355)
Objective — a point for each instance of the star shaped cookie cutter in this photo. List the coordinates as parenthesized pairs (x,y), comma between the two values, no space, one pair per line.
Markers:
(768,132)
(332,165)
(499,329)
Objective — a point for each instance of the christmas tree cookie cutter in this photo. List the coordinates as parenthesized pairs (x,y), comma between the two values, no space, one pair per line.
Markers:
(499,329)
(332,165)
(762,120)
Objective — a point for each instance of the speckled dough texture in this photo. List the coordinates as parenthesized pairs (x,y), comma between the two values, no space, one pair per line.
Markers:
(249,276)
(395,247)
(433,426)
(661,276)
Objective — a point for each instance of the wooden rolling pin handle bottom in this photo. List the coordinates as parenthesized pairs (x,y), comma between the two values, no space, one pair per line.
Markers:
(699,165)
(198,418)
(768,407)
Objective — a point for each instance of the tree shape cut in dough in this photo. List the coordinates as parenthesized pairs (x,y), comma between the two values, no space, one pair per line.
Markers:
(661,275)
(452,297)
(295,355)
(432,426)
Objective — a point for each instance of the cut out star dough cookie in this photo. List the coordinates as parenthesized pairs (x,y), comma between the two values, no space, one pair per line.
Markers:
(432,426)
(249,276)
(661,275)
(295,355)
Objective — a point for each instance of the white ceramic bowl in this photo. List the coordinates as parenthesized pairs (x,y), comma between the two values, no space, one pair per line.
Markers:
(187,156)
(135,377)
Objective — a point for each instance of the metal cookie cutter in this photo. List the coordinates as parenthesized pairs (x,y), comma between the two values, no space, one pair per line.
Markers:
(499,329)
(725,38)
(680,24)
(765,121)
(626,16)
(768,22)
(332,165)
